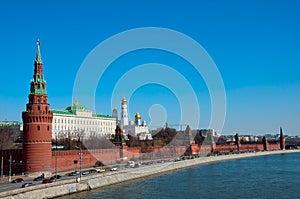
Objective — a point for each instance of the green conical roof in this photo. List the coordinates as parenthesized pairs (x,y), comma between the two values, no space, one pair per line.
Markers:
(38,84)
(38,57)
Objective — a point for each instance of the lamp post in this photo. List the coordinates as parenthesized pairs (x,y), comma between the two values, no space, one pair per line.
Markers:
(10,160)
(80,158)
(2,167)
(55,155)
(80,163)
(116,156)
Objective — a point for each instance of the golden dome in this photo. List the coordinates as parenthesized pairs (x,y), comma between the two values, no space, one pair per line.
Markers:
(124,101)
(115,110)
(137,116)
(76,103)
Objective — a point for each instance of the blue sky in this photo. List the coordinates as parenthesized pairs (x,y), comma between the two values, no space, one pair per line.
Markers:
(255,45)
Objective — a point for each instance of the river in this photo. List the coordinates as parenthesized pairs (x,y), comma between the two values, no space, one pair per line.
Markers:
(272,176)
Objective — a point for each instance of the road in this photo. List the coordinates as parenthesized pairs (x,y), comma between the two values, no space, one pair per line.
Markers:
(6,186)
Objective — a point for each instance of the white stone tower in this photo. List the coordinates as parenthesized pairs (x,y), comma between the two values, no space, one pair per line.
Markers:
(124,113)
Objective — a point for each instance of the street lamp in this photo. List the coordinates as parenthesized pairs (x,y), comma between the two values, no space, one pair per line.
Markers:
(56,155)
(80,156)
(10,162)
(2,167)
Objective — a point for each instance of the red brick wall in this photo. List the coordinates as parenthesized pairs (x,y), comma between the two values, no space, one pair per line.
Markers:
(233,148)
(17,164)
(251,147)
(65,159)
(273,146)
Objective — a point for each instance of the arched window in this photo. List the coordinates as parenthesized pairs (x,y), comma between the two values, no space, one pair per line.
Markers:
(38,127)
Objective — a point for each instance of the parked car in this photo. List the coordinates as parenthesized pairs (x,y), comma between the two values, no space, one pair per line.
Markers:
(74,173)
(45,181)
(177,159)
(93,171)
(114,168)
(27,184)
(17,180)
(130,164)
(97,169)
(55,177)
(86,172)
(101,170)
(39,178)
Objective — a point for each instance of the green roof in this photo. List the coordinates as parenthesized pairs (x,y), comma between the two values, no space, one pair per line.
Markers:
(10,123)
(101,115)
(76,106)
(65,112)
(38,57)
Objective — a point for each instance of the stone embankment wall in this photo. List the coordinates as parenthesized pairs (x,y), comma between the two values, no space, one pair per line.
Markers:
(101,180)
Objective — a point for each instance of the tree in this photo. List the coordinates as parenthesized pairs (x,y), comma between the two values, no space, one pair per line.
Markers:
(7,137)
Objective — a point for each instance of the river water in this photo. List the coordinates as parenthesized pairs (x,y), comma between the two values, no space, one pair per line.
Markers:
(272,176)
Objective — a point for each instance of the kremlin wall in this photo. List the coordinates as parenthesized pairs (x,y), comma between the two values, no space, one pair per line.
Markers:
(37,156)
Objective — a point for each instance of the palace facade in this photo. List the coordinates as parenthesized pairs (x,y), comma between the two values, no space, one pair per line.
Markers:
(76,121)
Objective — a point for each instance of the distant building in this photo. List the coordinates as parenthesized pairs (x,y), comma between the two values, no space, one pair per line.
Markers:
(17,126)
(77,121)
(205,132)
(115,114)
(138,128)
(10,130)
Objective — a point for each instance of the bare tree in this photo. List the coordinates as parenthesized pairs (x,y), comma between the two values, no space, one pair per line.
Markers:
(7,137)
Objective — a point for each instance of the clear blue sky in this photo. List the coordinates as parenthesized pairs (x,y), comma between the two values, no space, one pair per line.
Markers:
(255,45)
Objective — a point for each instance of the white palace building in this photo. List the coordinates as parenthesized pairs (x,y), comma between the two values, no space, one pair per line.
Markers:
(77,121)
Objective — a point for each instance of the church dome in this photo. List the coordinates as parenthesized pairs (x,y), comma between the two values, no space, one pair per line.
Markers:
(76,106)
(124,101)
(137,116)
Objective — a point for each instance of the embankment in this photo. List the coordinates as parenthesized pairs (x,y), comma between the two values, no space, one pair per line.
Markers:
(101,180)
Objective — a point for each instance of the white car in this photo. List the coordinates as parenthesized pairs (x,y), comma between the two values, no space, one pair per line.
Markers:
(130,164)
(114,168)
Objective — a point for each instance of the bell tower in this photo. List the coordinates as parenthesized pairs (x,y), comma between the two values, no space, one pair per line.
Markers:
(37,124)
(124,113)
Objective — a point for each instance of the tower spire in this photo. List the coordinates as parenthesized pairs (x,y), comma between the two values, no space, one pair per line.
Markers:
(38,84)
(38,57)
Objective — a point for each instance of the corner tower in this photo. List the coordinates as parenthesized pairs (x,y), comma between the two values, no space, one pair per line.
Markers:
(282,140)
(37,124)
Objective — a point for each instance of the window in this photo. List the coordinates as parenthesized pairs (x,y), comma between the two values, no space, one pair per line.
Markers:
(38,127)
(48,128)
